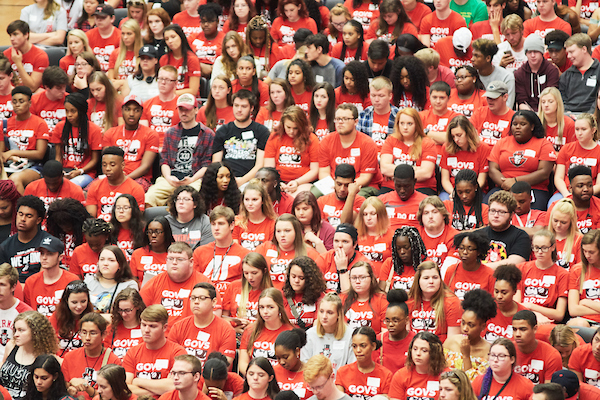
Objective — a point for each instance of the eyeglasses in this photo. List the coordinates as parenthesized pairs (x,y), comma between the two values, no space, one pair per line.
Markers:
(460,78)
(499,357)
(177,259)
(91,333)
(122,208)
(344,119)
(466,249)
(201,298)
(543,249)
(177,374)
(125,310)
(152,232)
(320,387)
(183,199)
(394,321)
(338,25)
(497,212)
(359,278)
(81,64)
(165,80)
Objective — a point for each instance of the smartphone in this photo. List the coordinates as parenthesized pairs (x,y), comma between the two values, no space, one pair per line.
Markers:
(508,52)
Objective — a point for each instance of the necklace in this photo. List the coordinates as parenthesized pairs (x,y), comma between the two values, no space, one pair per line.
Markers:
(95,362)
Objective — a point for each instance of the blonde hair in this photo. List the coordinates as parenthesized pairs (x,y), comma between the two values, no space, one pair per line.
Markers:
(132,25)
(317,365)
(51,8)
(155,313)
(563,336)
(383,221)
(567,207)
(466,125)
(340,329)
(438,204)
(336,11)
(592,122)
(257,261)
(381,82)
(267,205)
(560,112)
(7,270)
(229,64)
(437,301)
(78,33)
(417,147)
(512,22)
(277,297)
(430,57)
(43,336)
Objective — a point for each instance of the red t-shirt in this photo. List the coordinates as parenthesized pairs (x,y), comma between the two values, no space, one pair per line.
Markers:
(174,296)
(67,64)
(468,106)
(25,134)
(469,219)
(582,360)
(174,395)
(327,265)
(515,159)
(416,14)
(224,116)
(361,385)
(161,115)
(288,380)
(448,57)
(587,219)
(380,129)
(587,8)
(543,287)
(533,218)
(76,364)
(350,55)
(103,195)
(68,189)
(232,299)
(590,289)
(568,135)
(241,29)
(500,326)
(302,100)
(122,339)
(200,342)
(283,205)
(409,384)
(127,66)
(97,111)
(376,248)
(491,127)
(103,48)
(441,247)
(422,316)
(518,388)
(282,30)
(35,60)
(371,33)
(291,163)
(44,297)
(392,354)
(72,158)
(539,365)
(461,281)
(234,384)
(190,25)
(226,260)
(401,212)
(483,30)
(66,343)
(278,261)
(192,68)
(146,264)
(366,313)
(84,261)
(306,312)
(152,364)
(436,123)
(536,25)
(407,101)
(331,207)
(206,50)
(264,344)
(50,111)
(365,13)
(246,396)
(254,234)
(135,144)
(272,121)
(362,154)
(438,28)
(462,159)
(575,253)
(360,103)
(404,281)
(573,154)
(263,90)
(6,107)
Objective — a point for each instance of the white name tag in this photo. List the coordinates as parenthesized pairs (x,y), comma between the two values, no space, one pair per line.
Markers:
(195,235)
(161,364)
(310,308)
(591,374)
(433,385)
(355,152)
(542,79)
(271,253)
(591,82)
(379,247)
(203,336)
(338,345)
(549,279)
(192,140)
(146,259)
(372,381)
(530,153)
(503,124)
(248,135)
(183,293)
(136,333)
(329,210)
(58,294)
(318,78)
(537,364)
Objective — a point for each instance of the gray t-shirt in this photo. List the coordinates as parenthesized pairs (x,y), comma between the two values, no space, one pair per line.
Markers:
(34,16)
(339,352)
(279,70)
(196,233)
(102,297)
(344,397)
(500,74)
(331,72)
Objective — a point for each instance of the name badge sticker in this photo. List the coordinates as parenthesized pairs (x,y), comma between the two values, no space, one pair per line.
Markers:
(248,135)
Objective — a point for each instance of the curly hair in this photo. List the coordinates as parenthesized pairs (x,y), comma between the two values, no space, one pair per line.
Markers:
(96,227)
(481,303)
(358,70)
(67,323)
(307,73)
(63,212)
(460,220)
(509,273)
(136,223)
(43,336)
(361,41)
(473,72)
(538,130)
(50,364)
(198,201)
(297,116)
(260,24)
(437,360)
(419,81)
(481,241)
(418,249)
(314,283)
(132,295)
(209,191)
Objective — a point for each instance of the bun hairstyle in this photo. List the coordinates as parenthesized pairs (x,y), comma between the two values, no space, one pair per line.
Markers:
(398,298)
(292,340)
(368,332)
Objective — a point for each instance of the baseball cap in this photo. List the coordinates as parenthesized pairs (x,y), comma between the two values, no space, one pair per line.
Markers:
(104,9)
(149,51)
(52,244)
(134,98)
(187,101)
(496,89)
(568,380)
(556,45)
(461,39)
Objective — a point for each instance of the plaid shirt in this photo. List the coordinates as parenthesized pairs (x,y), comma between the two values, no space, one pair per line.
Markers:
(365,121)
(202,152)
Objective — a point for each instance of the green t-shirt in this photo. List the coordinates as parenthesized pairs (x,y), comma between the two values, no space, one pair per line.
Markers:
(472,11)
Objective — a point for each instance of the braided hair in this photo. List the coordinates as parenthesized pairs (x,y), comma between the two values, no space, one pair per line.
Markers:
(78,101)
(460,220)
(96,227)
(277,176)
(419,252)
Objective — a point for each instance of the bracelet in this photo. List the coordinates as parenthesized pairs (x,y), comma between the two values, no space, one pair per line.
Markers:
(81,171)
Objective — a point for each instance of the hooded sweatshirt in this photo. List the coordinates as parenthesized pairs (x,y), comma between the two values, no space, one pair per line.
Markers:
(579,91)
(530,84)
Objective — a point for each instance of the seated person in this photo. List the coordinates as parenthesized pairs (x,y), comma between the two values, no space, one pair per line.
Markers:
(47,23)
(50,102)
(402,204)
(54,185)
(28,61)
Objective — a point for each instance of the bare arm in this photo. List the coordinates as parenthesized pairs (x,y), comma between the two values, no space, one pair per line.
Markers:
(364,179)
(270,162)
(56,38)
(555,314)
(348,214)
(575,308)
(482,179)
(324,172)
(134,388)
(424,171)
(155,386)
(446,184)
(387,166)
(218,156)
(559,180)
(193,89)
(92,209)
(244,360)
(512,259)
(41,145)
(425,39)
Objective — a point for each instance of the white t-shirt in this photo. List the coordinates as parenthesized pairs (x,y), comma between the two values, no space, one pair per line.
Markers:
(34,16)
(339,352)
(520,57)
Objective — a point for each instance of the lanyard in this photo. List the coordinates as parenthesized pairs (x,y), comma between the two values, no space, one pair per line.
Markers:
(501,389)
(216,271)
(527,220)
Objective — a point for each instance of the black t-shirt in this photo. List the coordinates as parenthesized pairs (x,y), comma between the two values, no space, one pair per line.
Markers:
(511,241)
(4,232)
(240,146)
(23,256)
(185,153)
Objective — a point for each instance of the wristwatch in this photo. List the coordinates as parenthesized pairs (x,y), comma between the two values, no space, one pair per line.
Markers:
(342,271)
